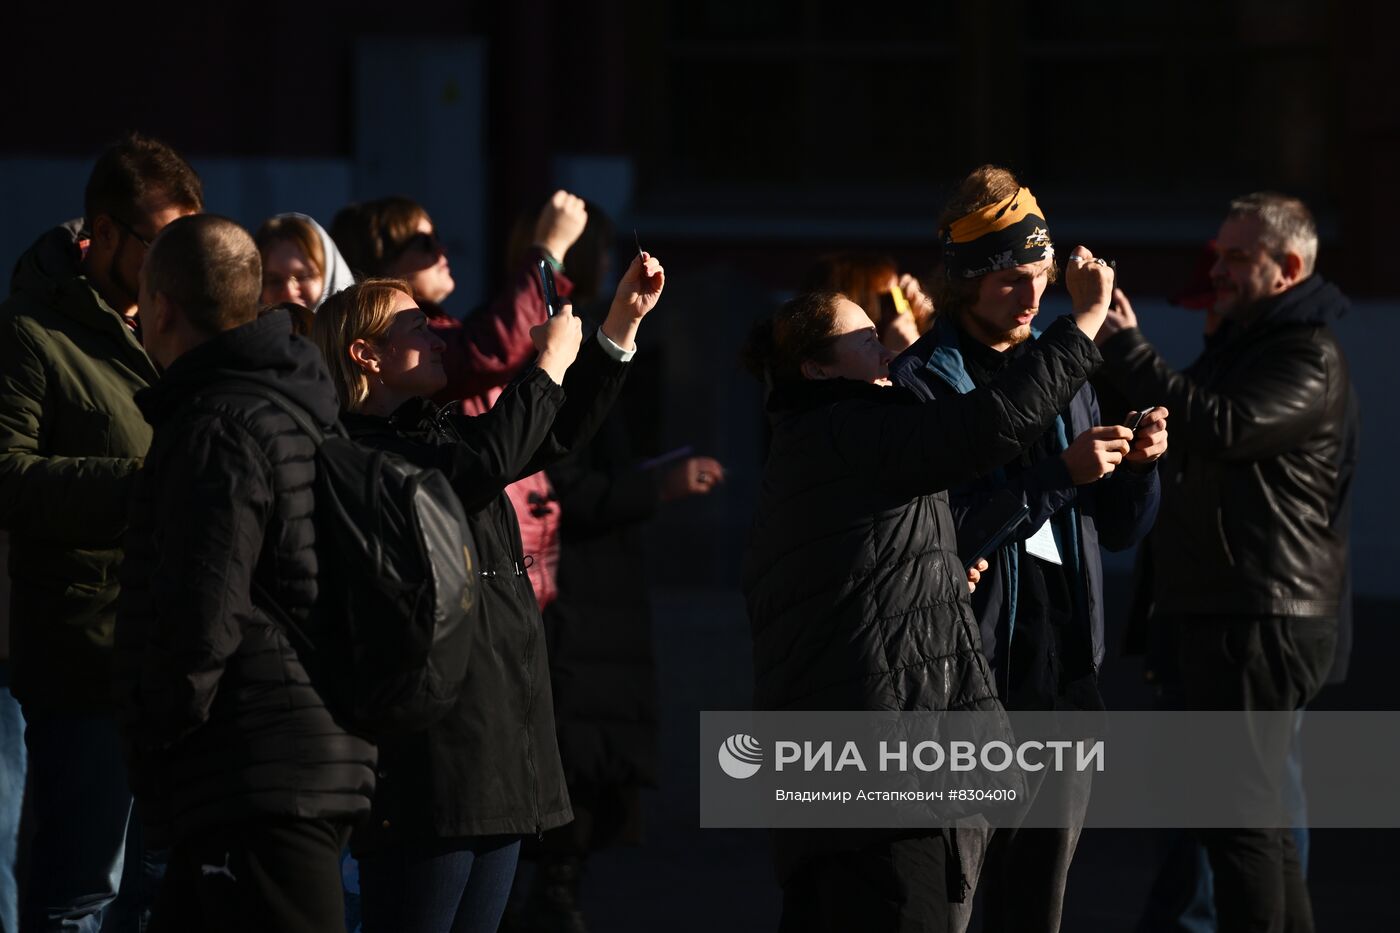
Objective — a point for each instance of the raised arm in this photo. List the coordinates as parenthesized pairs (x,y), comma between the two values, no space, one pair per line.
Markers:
(1268,410)
(922,448)
(489,348)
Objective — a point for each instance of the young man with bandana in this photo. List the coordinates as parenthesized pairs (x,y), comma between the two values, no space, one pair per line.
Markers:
(71,439)
(1040,603)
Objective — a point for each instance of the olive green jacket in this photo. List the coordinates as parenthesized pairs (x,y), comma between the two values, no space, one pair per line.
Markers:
(71,437)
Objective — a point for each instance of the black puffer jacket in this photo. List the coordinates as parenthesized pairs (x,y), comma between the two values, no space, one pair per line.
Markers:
(219,716)
(1259,443)
(856,595)
(491,766)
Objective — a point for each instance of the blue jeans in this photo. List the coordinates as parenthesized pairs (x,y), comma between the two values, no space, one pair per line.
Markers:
(86,846)
(456,886)
(12,767)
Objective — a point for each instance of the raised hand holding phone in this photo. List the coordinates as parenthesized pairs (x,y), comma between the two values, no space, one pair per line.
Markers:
(558,340)
(637,293)
(547,287)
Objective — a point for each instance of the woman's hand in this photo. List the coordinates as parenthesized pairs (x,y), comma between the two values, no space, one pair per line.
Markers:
(694,476)
(974,574)
(637,293)
(1090,284)
(558,341)
(560,224)
(914,294)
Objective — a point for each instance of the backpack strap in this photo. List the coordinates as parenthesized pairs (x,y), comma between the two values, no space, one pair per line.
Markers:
(293,410)
(260,595)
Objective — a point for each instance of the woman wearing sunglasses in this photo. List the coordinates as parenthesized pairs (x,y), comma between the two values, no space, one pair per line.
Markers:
(484,351)
(438,853)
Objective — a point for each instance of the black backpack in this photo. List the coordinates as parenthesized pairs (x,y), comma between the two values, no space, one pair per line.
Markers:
(387,645)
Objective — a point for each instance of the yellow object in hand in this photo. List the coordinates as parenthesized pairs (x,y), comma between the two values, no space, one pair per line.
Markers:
(901,304)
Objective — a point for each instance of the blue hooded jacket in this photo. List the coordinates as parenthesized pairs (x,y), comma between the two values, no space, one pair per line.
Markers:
(1115,512)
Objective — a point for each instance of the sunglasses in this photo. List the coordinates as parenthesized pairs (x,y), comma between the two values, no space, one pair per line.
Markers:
(426,243)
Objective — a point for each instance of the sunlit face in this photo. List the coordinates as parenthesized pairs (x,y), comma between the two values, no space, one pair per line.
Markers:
(1007,303)
(288,275)
(410,353)
(1245,272)
(424,264)
(856,352)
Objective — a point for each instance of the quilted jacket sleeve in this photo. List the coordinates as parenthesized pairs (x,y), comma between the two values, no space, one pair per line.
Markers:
(924,448)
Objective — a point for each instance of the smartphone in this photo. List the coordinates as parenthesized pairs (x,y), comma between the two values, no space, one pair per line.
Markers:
(1135,422)
(551,294)
(990,526)
(901,303)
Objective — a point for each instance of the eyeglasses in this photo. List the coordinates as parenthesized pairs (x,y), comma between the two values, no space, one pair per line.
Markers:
(128,229)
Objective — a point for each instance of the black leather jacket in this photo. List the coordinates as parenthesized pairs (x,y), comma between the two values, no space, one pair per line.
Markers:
(1259,435)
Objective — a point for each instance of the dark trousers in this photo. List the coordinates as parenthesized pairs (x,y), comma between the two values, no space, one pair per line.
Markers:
(1020,872)
(896,886)
(265,874)
(1257,663)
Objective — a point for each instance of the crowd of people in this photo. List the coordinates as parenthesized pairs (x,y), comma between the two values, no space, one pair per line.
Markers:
(168,385)
(856,586)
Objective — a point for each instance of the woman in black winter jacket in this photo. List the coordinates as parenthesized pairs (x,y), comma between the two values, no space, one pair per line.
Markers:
(452,803)
(856,595)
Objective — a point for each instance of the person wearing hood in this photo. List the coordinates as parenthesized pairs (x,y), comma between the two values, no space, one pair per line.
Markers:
(1250,550)
(301,263)
(234,759)
(71,438)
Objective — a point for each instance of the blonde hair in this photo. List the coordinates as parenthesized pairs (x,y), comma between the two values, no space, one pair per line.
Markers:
(364,311)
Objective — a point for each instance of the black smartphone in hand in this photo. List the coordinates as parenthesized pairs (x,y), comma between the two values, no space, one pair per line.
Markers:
(1135,422)
(551,294)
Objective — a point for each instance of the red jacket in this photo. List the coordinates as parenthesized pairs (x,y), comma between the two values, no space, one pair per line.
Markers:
(485,351)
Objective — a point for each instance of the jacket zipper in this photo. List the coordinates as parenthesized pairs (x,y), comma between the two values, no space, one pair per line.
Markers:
(529,702)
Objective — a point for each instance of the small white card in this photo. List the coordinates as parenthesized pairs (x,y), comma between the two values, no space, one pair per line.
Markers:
(1042,544)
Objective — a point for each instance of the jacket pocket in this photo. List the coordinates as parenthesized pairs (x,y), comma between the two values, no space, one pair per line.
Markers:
(82,432)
